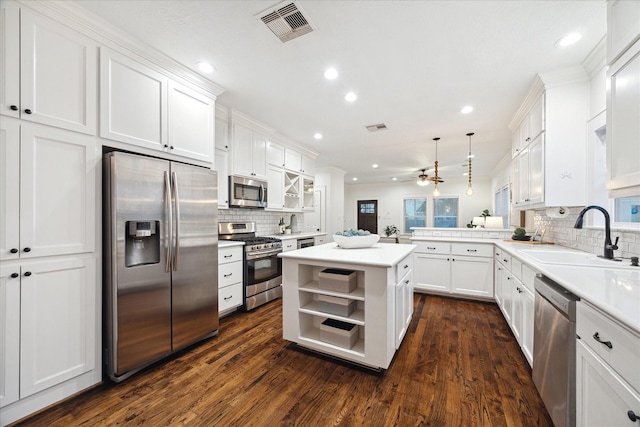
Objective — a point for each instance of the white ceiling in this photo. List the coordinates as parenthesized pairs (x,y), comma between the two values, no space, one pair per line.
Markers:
(413,65)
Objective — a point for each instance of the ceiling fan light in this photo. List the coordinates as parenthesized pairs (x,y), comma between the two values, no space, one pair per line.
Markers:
(422,182)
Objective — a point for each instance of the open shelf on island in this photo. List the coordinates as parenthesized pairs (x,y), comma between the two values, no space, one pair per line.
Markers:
(357,294)
(312,335)
(357,317)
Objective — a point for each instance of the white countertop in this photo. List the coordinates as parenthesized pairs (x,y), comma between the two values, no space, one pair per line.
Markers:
(378,255)
(296,235)
(616,291)
(229,243)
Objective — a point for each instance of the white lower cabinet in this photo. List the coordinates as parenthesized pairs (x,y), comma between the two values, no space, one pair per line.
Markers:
(454,268)
(57,322)
(229,279)
(48,325)
(603,398)
(515,297)
(9,335)
(404,298)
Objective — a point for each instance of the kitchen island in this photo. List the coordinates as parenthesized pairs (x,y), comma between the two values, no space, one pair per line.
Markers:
(382,300)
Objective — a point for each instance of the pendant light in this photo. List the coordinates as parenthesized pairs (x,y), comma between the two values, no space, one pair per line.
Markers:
(436,192)
(470,157)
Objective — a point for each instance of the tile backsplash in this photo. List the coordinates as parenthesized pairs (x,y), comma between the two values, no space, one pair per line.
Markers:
(561,232)
(266,221)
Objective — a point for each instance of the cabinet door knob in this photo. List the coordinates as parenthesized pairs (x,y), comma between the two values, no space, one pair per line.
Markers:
(28,111)
(14,275)
(27,249)
(166,146)
(27,273)
(596,337)
(14,108)
(14,250)
(632,416)
(171,147)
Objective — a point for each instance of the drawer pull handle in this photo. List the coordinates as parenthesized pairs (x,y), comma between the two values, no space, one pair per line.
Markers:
(430,248)
(406,266)
(504,260)
(407,281)
(228,256)
(472,250)
(228,275)
(228,298)
(632,416)
(596,337)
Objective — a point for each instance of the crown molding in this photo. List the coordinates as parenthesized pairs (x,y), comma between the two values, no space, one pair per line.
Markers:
(106,35)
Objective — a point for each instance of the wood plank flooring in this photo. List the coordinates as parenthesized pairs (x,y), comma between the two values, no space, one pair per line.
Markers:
(459,365)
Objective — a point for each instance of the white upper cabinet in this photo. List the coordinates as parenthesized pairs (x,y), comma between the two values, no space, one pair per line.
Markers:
(133,102)
(221,134)
(143,107)
(249,153)
(549,164)
(221,166)
(297,162)
(623,27)
(623,126)
(191,123)
(47,207)
(275,154)
(37,84)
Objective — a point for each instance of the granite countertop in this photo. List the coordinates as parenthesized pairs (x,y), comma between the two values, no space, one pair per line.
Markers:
(378,255)
(615,290)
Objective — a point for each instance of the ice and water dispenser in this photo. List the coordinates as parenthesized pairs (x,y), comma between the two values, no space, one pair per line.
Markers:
(142,243)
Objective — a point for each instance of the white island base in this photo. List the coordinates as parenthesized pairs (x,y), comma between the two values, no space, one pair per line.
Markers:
(383,296)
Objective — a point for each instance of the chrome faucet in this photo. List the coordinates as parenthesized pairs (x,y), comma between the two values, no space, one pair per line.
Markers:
(608,246)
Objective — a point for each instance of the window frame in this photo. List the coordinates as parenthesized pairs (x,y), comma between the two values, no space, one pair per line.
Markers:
(405,229)
(457,216)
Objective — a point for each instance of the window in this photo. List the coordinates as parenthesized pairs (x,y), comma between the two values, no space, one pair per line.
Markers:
(445,212)
(502,205)
(627,209)
(415,213)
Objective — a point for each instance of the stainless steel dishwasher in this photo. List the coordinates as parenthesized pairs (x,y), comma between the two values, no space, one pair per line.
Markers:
(554,350)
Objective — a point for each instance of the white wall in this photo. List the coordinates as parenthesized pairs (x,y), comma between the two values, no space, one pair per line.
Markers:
(390,200)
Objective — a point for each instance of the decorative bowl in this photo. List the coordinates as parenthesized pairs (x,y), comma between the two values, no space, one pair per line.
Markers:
(354,242)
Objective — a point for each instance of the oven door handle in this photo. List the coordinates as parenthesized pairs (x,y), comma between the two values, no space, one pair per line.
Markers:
(261,254)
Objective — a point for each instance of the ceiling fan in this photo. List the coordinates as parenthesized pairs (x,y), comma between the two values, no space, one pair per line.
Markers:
(424,179)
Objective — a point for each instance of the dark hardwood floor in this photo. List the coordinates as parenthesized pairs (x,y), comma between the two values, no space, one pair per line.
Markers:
(459,365)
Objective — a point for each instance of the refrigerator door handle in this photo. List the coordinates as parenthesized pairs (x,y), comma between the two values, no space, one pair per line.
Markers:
(169,212)
(174,184)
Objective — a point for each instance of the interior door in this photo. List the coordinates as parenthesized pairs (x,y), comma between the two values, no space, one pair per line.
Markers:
(368,215)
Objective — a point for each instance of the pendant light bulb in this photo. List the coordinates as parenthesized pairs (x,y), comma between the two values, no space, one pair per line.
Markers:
(436,192)
(470,157)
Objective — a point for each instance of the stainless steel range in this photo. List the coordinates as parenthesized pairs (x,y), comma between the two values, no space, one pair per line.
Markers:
(262,267)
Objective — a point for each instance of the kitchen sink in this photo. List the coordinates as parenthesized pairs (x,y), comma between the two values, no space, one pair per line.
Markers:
(582,259)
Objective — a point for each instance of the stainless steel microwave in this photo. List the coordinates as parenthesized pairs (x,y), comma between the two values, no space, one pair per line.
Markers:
(247,193)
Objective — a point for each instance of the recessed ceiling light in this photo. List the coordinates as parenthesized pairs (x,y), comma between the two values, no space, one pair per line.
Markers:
(375,166)
(569,39)
(355,179)
(331,74)
(394,179)
(318,135)
(350,97)
(466,109)
(465,173)
(204,67)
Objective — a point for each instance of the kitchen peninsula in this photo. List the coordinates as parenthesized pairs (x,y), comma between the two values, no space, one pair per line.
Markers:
(382,299)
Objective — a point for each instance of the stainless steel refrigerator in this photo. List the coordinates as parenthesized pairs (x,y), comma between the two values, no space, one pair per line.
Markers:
(161,259)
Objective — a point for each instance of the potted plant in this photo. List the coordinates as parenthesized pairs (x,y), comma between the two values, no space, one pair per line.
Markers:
(520,234)
(287,229)
(390,230)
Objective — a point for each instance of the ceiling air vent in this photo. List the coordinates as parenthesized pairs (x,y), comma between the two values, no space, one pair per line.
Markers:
(376,128)
(287,21)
